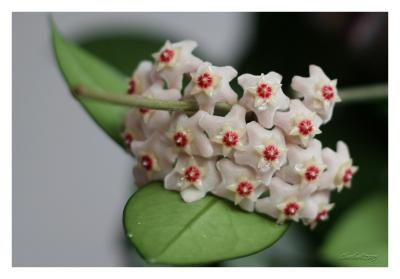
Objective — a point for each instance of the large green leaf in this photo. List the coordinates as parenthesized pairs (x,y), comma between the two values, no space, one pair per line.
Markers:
(166,230)
(361,237)
(80,68)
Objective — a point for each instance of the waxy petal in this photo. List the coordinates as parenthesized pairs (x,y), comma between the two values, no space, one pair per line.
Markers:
(216,90)
(301,164)
(337,164)
(160,154)
(316,208)
(299,123)
(182,62)
(319,92)
(254,153)
(281,194)
(133,130)
(143,77)
(232,175)
(185,128)
(262,104)
(219,128)
(196,188)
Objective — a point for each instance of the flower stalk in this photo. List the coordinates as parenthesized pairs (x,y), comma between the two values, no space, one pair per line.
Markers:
(348,95)
(188,106)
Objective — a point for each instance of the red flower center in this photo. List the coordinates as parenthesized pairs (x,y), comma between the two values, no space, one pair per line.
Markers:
(271,152)
(348,175)
(311,173)
(291,209)
(327,92)
(192,173)
(144,110)
(180,139)
(321,215)
(131,87)
(205,80)
(230,138)
(264,90)
(305,127)
(128,138)
(244,188)
(166,55)
(147,162)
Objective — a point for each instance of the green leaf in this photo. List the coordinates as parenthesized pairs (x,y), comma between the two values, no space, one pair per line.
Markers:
(81,68)
(360,238)
(166,230)
(122,49)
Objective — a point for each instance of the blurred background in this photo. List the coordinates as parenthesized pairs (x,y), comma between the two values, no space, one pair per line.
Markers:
(71,181)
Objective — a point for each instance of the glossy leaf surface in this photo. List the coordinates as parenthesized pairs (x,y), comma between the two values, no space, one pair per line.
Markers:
(166,230)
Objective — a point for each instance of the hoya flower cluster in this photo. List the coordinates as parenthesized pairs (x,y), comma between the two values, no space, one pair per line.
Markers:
(273,165)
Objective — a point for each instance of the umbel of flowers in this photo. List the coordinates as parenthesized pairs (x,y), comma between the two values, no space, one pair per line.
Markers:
(273,165)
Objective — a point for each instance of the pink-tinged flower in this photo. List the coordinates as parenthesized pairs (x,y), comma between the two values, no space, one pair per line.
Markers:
(299,123)
(174,60)
(193,177)
(305,166)
(283,203)
(156,120)
(210,84)
(239,184)
(319,92)
(263,95)
(157,91)
(155,158)
(228,132)
(265,151)
(132,128)
(151,120)
(187,136)
(143,77)
(317,205)
(340,169)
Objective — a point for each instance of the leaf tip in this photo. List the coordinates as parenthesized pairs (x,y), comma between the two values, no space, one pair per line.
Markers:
(52,23)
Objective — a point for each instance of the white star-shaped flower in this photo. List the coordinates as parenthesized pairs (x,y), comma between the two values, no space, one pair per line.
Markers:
(299,123)
(228,133)
(317,206)
(142,78)
(187,136)
(156,120)
(283,203)
(340,169)
(305,166)
(150,120)
(193,177)
(155,158)
(158,92)
(205,80)
(239,184)
(132,128)
(265,151)
(319,92)
(210,84)
(174,60)
(263,95)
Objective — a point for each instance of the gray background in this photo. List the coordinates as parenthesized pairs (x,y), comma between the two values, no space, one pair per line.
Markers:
(70,181)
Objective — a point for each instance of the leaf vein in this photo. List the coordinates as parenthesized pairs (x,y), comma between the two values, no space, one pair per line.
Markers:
(188,225)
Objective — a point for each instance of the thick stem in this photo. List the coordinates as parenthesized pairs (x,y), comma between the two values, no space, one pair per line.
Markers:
(189,106)
(348,95)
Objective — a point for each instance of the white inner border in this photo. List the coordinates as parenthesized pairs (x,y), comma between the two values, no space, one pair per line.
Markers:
(6,9)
